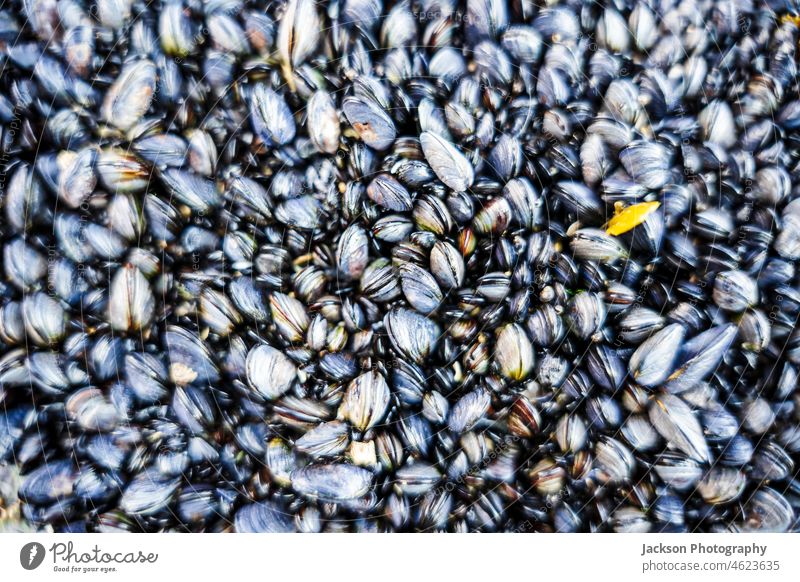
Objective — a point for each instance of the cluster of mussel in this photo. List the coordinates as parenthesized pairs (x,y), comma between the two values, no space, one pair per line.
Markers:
(492,265)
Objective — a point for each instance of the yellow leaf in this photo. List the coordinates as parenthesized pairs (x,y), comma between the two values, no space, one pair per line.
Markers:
(793,19)
(630,217)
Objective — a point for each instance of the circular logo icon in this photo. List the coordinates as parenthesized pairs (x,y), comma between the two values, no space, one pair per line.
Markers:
(31,555)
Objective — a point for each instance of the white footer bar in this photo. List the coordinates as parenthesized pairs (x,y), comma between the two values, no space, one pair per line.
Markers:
(406,557)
